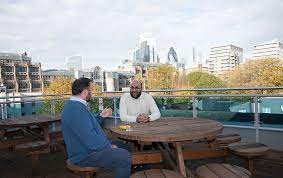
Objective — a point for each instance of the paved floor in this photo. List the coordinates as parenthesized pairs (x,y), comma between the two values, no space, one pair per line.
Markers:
(14,165)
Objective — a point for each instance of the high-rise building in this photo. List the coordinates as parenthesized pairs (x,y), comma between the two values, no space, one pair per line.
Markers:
(74,63)
(146,51)
(272,49)
(172,55)
(19,75)
(224,58)
(172,59)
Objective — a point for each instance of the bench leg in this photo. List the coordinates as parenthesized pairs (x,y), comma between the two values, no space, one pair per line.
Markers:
(90,175)
(35,163)
(249,165)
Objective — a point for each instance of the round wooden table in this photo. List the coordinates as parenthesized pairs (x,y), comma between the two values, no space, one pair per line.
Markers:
(175,130)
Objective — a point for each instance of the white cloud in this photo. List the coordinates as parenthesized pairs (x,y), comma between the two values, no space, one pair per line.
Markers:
(105,31)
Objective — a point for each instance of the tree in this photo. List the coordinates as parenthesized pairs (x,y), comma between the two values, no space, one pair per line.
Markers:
(257,73)
(162,77)
(204,80)
(61,86)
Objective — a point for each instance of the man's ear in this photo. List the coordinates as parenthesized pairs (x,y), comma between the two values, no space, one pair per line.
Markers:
(84,92)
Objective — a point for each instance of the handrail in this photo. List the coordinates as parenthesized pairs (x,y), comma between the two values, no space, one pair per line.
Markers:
(157,96)
(163,90)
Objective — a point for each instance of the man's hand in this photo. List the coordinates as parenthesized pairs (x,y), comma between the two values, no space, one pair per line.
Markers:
(106,112)
(143,118)
(114,146)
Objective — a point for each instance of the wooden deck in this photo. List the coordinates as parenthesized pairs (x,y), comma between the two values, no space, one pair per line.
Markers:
(14,165)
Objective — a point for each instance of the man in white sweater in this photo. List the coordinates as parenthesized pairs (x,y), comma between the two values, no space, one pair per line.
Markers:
(138,106)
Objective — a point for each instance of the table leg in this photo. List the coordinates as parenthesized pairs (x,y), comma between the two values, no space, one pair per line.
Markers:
(46,133)
(180,158)
(2,133)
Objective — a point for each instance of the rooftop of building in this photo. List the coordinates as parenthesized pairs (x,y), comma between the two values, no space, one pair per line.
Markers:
(226,45)
(140,63)
(15,56)
(274,41)
(61,72)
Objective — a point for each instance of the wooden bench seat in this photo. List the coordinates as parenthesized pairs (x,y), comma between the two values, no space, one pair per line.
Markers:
(215,170)
(225,139)
(32,146)
(87,172)
(33,150)
(14,133)
(248,150)
(156,173)
(11,143)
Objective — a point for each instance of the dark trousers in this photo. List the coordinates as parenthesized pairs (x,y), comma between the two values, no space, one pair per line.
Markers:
(118,159)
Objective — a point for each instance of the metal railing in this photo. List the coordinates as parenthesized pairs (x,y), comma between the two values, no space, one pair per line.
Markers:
(191,99)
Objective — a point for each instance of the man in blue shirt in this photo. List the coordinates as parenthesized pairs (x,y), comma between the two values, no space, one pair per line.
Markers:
(87,144)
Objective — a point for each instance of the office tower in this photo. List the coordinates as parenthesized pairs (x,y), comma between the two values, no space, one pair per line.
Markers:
(272,49)
(224,58)
(146,51)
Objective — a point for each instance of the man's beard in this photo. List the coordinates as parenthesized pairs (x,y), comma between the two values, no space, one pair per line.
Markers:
(136,97)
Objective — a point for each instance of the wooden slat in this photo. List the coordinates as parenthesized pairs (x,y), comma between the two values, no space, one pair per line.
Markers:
(171,174)
(205,172)
(13,142)
(32,146)
(248,149)
(156,173)
(189,154)
(146,157)
(243,171)
(215,170)
(228,138)
(221,171)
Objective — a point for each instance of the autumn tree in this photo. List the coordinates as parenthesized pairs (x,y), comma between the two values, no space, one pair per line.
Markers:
(204,80)
(162,77)
(257,73)
(60,86)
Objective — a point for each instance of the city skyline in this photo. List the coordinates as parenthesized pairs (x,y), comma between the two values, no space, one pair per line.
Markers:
(104,33)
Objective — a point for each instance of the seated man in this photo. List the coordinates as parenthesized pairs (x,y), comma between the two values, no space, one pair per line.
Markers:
(87,144)
(138,106)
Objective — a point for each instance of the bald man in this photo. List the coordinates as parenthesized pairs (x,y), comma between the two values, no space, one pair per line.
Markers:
(138,106)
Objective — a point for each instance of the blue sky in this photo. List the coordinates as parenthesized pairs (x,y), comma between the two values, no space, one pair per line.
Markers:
(105,32)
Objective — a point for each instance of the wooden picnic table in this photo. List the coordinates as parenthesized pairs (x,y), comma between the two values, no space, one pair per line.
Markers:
(23,122)
(30,148)
(174,130)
